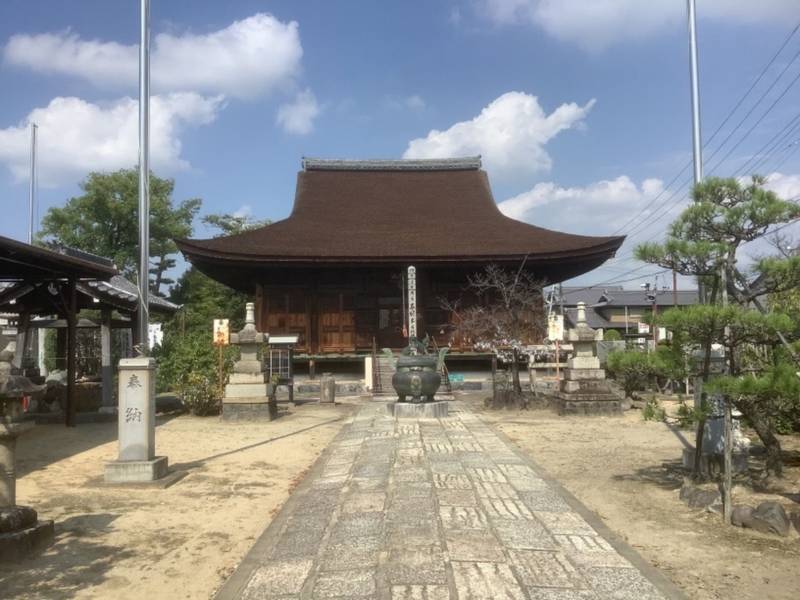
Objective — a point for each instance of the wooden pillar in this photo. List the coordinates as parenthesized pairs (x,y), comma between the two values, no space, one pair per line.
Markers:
(72,352)
(261,320)
(22,339)
(61,349)
(106,368)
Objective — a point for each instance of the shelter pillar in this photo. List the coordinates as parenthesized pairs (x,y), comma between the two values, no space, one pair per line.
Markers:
(106,370)
(72,352)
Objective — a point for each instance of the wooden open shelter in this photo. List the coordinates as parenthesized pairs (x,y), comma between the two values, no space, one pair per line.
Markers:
(37,281)
(48,281)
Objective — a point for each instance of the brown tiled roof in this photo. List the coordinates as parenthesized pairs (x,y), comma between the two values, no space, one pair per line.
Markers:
(385,211)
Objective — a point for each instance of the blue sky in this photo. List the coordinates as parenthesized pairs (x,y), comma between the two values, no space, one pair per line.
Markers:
(580,109)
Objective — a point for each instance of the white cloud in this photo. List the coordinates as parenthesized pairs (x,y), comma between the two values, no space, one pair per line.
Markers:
(245,211)
(76,136)
(249,58)
(510,133)
(415,102)
(298,116)
(596,208)
(597,24)
(786,186)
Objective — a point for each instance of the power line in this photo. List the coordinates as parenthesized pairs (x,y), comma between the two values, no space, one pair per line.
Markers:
(775,144)
(730,114)
(761,118)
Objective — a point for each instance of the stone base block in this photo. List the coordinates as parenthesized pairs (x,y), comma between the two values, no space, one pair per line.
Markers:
(583,362)
(582,374)
(418,410)
(136,471)
(712,465)
(250,367)
(246,378)
(17,545)
(571,406)
(585,386)
(246,390)
(249,409)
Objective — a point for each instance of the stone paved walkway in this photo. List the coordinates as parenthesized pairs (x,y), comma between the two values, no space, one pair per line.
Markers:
(432,510)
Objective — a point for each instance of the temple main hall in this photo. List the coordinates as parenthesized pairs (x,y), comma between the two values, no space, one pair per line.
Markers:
(333,272)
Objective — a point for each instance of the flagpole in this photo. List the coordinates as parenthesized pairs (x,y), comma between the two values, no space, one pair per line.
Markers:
(697,145)
(144,177)
(32,195)
(697,148)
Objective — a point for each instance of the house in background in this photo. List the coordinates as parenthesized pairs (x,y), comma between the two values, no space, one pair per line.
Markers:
(612,307)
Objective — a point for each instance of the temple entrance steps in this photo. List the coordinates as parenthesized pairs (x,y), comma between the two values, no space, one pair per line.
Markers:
(385,369)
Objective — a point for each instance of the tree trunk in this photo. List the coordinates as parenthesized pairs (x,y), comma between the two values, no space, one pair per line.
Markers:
(701,424)
(515,371)
(766,433)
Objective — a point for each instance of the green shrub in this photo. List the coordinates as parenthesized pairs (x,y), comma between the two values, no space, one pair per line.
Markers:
(182,358)
(611,335)
(201,395)
(653,411)
(632,369)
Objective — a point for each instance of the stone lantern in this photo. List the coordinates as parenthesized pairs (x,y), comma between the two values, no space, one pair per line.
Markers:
(584,389)
(248,395)
(20,530)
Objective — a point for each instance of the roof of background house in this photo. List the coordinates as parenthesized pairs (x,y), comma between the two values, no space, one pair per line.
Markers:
(397,210)
(121,288)
(594,319)
(615,296)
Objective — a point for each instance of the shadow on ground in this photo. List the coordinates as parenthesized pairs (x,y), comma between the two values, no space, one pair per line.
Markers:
(668,475)
(58,442)
(187,466)
(74,561)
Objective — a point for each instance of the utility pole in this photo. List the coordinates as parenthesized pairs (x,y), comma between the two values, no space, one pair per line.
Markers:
(32,194)
(144,179)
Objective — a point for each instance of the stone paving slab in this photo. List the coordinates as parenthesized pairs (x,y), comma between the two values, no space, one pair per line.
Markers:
(437,509)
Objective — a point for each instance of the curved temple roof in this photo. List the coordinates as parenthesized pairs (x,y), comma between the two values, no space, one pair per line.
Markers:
(380,211)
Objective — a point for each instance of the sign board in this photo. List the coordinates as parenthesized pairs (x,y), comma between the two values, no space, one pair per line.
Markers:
(222,334)
(155,334)
(555,327)
(412,302)
(643,327)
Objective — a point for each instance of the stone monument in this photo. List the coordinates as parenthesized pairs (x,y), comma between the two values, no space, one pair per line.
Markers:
(137,461)
(21,532)
(712,459)
(248,395)
(584,389)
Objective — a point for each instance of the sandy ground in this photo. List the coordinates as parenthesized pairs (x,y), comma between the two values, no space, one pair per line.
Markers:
(625,470)
(180,542)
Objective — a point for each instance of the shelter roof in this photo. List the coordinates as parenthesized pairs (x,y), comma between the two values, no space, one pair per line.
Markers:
(20,261)
(392,211)
(116,293)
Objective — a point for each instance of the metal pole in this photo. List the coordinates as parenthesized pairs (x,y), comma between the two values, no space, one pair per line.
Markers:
(32,195)
(697,145)
(144,177)
(697,148)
